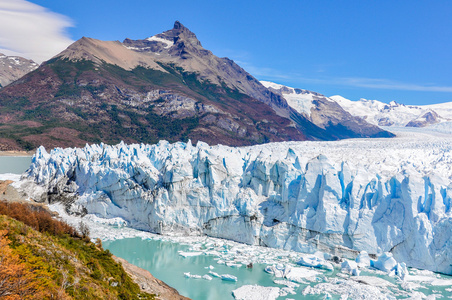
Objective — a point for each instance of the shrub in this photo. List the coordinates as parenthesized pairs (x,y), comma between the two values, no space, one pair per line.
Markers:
(37,218)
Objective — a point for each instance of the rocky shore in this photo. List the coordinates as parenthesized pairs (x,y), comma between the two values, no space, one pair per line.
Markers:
(149,283)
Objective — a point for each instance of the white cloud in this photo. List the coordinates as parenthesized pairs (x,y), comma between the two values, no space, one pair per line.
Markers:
(392,85)
(263,72)
(270,74)
(32,31)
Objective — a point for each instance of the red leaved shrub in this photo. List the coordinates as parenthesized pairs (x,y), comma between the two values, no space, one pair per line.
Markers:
(36,217)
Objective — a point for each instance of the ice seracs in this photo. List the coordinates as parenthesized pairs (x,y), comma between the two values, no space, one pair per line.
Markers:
(337,197)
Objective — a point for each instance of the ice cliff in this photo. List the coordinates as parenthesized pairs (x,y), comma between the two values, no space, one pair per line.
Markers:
(342,197)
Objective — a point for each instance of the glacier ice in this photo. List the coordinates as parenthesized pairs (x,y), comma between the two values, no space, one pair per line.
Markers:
(254,292)
(348,289)
(207,277)
(228,277)
(385,262)
(363,259)
(315,262)
(350,267)
(294,274)
(338,197)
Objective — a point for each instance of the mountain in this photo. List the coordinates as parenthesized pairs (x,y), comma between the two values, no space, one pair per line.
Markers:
(341,197)
(326,113)
(396,114)
(163,87)
(14,67)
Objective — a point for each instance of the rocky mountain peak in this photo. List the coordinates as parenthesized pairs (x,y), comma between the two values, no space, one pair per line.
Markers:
(14,67)
(181,34)
(177,42)
(179,28)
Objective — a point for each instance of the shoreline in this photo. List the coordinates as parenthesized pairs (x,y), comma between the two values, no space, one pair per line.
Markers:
(145,280)
(148,283)
(17,153)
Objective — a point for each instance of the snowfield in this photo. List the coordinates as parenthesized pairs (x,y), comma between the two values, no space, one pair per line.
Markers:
(343,197)
(394,114)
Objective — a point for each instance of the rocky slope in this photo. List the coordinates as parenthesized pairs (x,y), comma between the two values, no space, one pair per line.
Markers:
(14,67)
(342,197)
(163,87)
(43,258)
(145,280)
(149,283)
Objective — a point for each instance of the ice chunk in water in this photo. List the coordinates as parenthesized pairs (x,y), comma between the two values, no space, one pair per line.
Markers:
(256,292)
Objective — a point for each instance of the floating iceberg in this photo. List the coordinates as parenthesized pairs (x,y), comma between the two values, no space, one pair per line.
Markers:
(349,289)
(214,274)
(363,259)
(350,267)
(315,262)
(207,277)
(292,273)
(228,277)
(385,262)
(188,275)
(256,292)
(189,254)
(339,197)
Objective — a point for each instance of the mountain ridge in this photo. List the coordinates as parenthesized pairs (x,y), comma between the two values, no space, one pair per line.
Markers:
(326,113)
(13,68)
(166,86)
(396,114)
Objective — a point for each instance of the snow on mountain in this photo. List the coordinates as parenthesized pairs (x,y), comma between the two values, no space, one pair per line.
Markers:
(326,113)
(167,43)
(395,114)
(14,67)
(298,99)
(372,111)
(376,195)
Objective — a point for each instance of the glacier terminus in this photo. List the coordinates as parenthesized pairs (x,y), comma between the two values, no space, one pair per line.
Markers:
(382,196)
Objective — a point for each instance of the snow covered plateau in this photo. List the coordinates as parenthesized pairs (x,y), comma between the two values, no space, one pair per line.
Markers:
(372,111)
(342,197)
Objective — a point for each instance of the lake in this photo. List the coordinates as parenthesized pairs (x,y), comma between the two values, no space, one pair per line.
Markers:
(165,260)
(14,164)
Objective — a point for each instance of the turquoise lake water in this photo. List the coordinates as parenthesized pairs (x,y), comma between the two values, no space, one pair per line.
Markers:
(162,259)
(14,164)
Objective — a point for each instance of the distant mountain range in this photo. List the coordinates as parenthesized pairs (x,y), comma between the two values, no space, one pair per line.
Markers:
(163,87)
(337,109)
(396,114)
(14,67)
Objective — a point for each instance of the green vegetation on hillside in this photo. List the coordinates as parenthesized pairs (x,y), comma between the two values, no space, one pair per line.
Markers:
(70,103)
(43,258)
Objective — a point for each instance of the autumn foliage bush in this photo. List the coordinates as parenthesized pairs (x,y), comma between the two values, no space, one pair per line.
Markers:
(37,218)
(17,280)
(45,258)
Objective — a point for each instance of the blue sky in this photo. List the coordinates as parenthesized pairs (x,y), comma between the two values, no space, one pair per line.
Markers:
(384,50)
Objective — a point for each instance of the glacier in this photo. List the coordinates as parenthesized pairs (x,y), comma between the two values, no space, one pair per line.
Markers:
(342,197)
